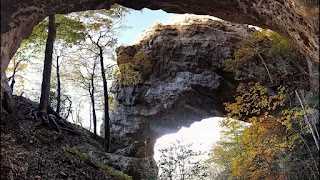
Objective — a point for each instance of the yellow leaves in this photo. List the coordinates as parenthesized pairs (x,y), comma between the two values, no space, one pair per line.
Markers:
(240,57)
(289,116)
(141,61)
(279,45)
(256,37)
(274,129)
(263,56)
(252,99)
(244,54)
(286,144)
(132,68)
(22,66)
(123,59)
(128,76)
(239,99)
(96,26)
(252,154)
(262,141)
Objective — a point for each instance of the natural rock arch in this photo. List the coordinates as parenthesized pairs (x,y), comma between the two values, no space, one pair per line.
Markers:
(185,89)
(296,20)
(185,84)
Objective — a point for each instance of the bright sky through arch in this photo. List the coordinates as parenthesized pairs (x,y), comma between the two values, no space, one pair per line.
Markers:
(202,135)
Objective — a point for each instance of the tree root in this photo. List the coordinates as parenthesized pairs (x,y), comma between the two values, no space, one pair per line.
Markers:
(51,120)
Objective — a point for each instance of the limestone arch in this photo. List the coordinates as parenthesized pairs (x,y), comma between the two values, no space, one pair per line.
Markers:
(296,20)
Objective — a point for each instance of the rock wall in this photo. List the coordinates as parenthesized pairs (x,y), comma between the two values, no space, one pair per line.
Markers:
(185,84)
(296,20)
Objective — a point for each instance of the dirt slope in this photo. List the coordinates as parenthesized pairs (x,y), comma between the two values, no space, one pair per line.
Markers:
(30,152)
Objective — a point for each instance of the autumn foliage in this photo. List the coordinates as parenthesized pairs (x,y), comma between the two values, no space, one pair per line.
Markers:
(132,69)
(267,146)
(275,142)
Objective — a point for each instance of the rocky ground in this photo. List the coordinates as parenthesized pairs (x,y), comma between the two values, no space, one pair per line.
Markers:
(31,152)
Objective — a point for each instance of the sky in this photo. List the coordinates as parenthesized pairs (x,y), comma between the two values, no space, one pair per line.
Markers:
(142,20)
(202,135)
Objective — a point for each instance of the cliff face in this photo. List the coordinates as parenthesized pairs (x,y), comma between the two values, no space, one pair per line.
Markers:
(296,20)
(185,84)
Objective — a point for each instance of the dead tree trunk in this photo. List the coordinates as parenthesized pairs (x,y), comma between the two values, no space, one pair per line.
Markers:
(45,87)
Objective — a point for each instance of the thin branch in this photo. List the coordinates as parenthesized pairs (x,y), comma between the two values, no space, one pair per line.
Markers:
(313,122)
(316,140)
(264,65)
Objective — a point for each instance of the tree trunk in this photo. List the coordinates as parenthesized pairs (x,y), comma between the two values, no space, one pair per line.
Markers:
(45,87)
(15,70)
(69,108)
(91,91)
(90,115)
(12,84)
(94,116)
(58,87)
(106,105)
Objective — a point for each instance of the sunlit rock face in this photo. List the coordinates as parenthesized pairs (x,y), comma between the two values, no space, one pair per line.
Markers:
(185,84)
(296,20)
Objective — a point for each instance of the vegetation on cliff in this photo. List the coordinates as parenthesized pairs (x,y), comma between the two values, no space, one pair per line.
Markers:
(281,141)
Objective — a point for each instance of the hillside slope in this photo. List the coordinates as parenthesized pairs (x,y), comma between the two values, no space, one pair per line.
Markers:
(33,152)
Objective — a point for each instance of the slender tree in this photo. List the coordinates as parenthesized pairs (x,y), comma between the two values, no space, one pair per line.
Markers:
(105,87)
(91,92)
(68,34)
(86,80)
(45,87)
(106,104)
(17,66)
(58,85)
(101,29)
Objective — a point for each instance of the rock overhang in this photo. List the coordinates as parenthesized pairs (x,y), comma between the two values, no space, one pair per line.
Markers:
(295,20)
